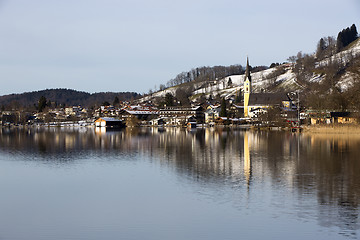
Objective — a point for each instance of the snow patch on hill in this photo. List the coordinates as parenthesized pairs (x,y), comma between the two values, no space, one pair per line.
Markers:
(343,56)
(222,86)
(346,81)
(262,80)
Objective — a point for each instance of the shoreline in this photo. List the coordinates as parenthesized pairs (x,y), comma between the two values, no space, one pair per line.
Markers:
(332,129)
(312,129)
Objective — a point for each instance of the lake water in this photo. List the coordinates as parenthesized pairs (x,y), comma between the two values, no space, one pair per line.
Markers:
(176,184)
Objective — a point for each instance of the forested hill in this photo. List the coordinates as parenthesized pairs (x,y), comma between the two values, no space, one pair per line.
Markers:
(63,97)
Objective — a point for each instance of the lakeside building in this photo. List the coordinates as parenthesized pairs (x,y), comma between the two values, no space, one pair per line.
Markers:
(181,115)
(109,111)
(344,117)
(212,113)
(109,122)
(259,103)
(142,113)
(327,117)
(157,122)
(256,104)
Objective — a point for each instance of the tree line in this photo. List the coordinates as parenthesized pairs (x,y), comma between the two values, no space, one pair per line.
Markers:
(328,46)
(62,98)
(201,74)
(207,74)
(346,36)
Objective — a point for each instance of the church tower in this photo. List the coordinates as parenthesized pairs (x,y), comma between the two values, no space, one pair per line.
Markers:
(247,88)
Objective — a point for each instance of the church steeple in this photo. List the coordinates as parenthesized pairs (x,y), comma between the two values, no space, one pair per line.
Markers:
(247,88)
(247,71)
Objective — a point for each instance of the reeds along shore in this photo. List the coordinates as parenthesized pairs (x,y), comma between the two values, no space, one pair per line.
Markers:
(333,129)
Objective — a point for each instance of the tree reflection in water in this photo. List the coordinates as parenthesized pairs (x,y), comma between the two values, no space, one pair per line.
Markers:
(326,167)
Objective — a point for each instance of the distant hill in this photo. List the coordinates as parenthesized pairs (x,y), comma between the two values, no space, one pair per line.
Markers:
(64,97)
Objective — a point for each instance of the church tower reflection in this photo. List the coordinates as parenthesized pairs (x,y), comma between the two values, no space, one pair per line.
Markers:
(247,160)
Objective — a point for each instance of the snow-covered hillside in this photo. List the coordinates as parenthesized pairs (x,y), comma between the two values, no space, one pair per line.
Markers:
(265,80)
(229,86)
(343,56)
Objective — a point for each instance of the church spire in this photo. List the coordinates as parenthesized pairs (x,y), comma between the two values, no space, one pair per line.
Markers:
(247,88)
(247,71)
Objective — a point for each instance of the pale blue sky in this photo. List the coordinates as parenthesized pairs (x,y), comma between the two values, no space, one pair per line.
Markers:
(129,45)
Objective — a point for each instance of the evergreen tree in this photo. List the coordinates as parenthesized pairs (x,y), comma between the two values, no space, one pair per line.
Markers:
(274,65)
(169,99)
(182,95)
(229,82)
(116,101)
(321,48)
(106,103)
(353,31)
(42,103)
(239,97)
(345,37)
(49,104)
(223,112)
(339,42)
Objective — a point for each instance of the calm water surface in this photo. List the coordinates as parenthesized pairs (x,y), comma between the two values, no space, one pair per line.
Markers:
(175,184)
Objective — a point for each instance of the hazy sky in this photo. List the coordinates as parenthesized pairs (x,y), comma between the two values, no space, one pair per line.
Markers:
(135,45)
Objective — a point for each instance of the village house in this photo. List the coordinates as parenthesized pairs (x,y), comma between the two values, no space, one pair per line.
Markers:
(180,115)
(318,117)
(59,114)
(8,117)
(72,110)
(109,122)
(15,117)
(211,114)
(157,122)
(259,103)
(107,111)
(344,117)
(236,111)
(223,121)
(142,113)
(327,117)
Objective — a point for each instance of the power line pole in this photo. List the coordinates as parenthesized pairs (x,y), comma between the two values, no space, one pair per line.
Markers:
(298,107)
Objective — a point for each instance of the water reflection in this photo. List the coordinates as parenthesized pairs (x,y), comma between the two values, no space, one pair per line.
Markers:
(306,168)
(247,159)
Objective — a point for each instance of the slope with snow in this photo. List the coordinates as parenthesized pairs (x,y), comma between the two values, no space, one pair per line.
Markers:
(262,80)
